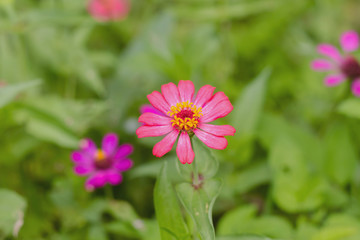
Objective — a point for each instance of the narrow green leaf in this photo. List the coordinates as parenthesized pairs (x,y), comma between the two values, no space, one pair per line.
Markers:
(9,93)
(249,105)
(12,209)
(167,208)
(199,203)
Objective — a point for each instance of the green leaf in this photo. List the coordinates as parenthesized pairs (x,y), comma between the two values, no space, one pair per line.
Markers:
(248,108)
(97,232)
(12,210)
(206,163)
(243,220)
(341,156)
(245,237)
(167,208)
(8,93)
(199,203)
(294,188)
(249,178)
(350,108)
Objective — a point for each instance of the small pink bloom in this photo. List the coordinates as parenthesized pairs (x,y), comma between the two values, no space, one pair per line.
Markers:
(108,10)
(102,165)
(184,114)
(342,67)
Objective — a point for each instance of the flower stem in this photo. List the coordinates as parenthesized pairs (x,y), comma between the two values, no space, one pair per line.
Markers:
(195,169)
(109,192)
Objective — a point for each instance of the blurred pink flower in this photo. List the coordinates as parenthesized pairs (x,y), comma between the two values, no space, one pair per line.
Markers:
(149,108)
(102,165)
(342,67)
(182,116)
(109,10)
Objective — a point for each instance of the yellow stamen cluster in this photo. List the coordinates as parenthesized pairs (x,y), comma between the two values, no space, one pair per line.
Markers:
(100,155)
(185,122)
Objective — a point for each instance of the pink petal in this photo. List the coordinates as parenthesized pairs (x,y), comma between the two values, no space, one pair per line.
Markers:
(184,149)
(219,106)
(171,93)
(123,151)
(154,119)
(110,143)
(186,90)
(349,41)
(153,131)
(321,65)
(149,108)
(204,95)
(104,10)
(114,178)
(159,102)
(123,165)
(119,9)
(166,144)
(330,51)
(88,146)
(95,181)
(210,140)
(80,157)
(334,80)
(218,130)
(355,87)
(83,169)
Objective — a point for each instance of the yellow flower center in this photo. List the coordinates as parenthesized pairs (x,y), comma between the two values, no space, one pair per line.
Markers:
(100,155)
(186,116)
(101,160)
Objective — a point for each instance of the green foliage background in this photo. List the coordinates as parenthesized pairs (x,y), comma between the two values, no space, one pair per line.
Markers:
(291,172)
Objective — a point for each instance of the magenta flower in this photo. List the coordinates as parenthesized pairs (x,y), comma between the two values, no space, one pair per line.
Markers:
(184,115)
(108,10)
(342,67)
(149,108)
(102,165)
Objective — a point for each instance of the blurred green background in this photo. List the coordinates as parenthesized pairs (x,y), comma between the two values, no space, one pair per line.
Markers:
(291,172)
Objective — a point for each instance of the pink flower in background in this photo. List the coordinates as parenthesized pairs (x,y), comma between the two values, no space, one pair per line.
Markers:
(342,67)
(109,10)
(149,108)
(102,165)
(182,115)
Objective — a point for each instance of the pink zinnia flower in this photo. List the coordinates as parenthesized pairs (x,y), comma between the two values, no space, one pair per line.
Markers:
(109,10)
(342,66)
(184,115)
(103,165)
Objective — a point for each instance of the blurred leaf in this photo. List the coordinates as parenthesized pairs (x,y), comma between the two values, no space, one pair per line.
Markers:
(199,203)
(245,237)
(122,228)
(168,213)
(12,210)
(350,107)
(341,157)
(59,121)
(97,232)
(122,210)
(339,227)
(224,12)
(9,92)
(294,188)
(243,220)
(249,178)
(249,106)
